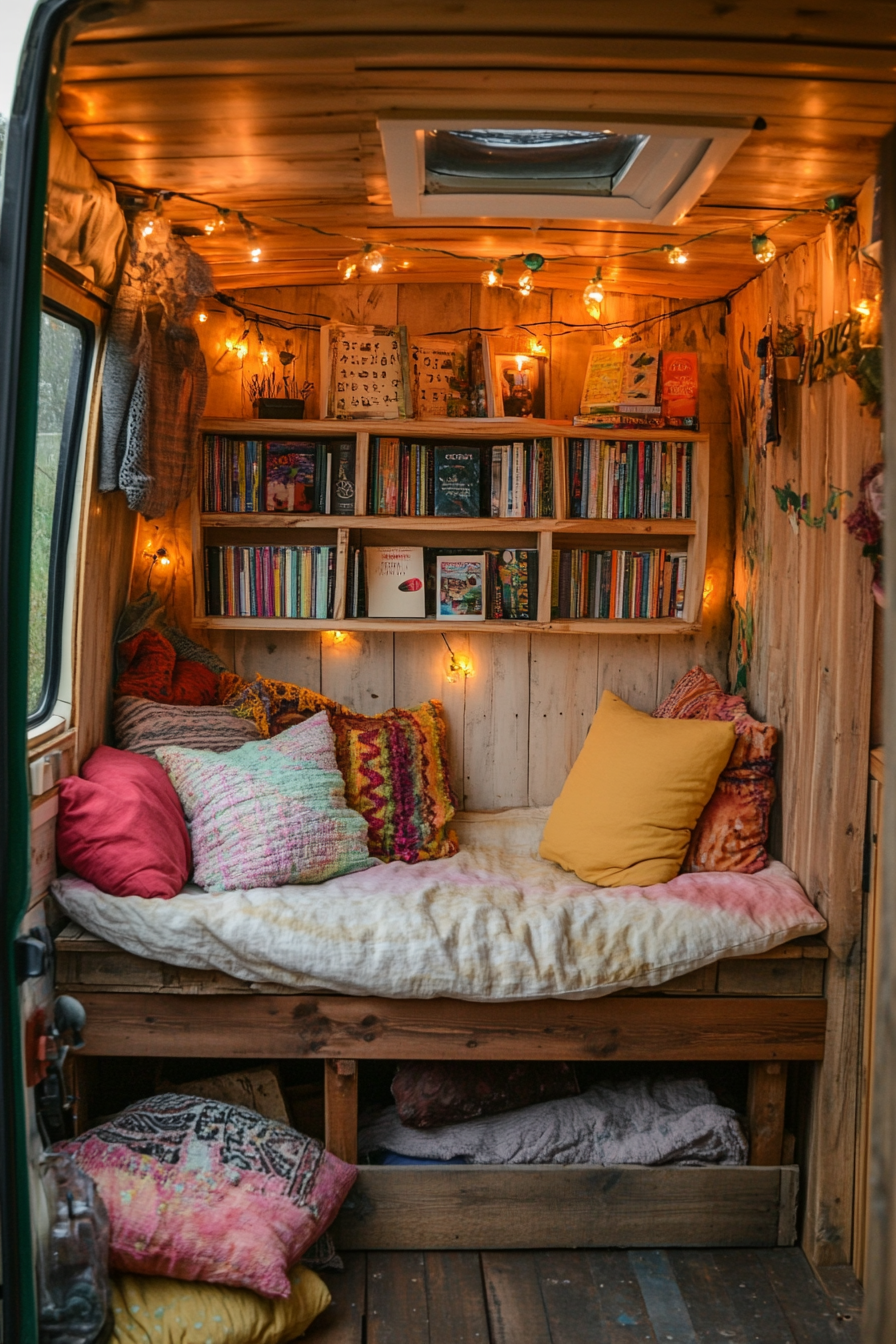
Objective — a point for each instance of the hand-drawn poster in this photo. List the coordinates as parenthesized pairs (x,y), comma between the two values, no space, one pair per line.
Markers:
(440,377)
(364,372)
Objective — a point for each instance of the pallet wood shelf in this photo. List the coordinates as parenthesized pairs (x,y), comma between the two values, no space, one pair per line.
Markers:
(479,533)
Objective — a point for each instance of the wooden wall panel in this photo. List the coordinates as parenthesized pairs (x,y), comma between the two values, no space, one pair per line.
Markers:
(516,726)
(803,649)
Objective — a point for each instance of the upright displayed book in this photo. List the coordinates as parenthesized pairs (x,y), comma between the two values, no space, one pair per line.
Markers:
(439,377)
(623,380)
(512,587)
(460,587)
(457,482)
(394,582)
(680,389)
(289,477)
(364,372)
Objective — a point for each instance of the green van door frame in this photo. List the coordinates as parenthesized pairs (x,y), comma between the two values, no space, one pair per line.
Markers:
(21,254)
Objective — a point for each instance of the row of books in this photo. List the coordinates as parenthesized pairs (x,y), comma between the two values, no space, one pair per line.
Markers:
(407,582)
(278,476)
(637,479)
(416,480)
(617,584)
(298,581)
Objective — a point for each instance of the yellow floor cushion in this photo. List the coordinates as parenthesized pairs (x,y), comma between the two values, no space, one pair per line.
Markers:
(151,1310)
(628,807)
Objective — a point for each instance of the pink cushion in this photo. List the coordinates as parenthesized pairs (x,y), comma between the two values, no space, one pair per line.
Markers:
(122,827)
(199,1189)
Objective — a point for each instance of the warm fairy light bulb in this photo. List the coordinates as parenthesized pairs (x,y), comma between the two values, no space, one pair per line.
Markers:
(265,357)
(347,268)
(460,665)
(537,347)
(619,342)
(339,636)
(526,283)
(863,308)
(373,261)
(202,317)
(493,278)
(709,588)
(148,227)
(164,560)
(593,296)
(763,248)
(210,227)
(676,256)
(255,254)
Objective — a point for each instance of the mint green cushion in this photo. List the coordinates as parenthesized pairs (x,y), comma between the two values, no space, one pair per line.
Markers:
(270,813)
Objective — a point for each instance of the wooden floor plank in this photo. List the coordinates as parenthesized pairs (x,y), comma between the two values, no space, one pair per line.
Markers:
(712,1313)
(812,1316)
(622,1306)
(665,1305)
(397,1310)
(756,1308)
(842,1287)
(343,1320)
(516,1311)
(582,1310)
(456,1297)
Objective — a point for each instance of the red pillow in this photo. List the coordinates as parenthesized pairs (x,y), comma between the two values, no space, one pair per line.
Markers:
(154,672)
(122,827)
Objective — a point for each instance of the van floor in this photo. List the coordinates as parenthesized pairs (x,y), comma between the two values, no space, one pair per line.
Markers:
(588,1297)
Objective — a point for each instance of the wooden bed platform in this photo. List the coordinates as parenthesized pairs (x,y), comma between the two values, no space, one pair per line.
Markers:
(766,1010)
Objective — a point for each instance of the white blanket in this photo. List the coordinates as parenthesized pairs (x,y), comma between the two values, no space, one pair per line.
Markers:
(494,922)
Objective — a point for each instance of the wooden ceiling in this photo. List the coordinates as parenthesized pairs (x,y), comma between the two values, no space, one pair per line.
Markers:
(270,108)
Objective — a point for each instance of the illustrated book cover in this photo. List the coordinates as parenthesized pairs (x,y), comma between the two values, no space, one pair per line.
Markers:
(364,372)
(460,587)
(289,476)
(457,476)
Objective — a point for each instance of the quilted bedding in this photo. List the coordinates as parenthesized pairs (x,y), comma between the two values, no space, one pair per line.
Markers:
(493,922)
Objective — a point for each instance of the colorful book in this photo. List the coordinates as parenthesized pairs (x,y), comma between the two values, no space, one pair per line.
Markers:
(457,474)
(290,477)
(460,587)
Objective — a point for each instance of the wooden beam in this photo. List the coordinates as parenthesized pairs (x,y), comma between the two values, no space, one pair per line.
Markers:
(766,1094)
(304,1026)
(505,1208)
(341,1108)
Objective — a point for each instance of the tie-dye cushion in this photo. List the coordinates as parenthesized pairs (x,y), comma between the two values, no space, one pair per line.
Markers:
(395,767)
(270,813)
(198,1189)
(732,830)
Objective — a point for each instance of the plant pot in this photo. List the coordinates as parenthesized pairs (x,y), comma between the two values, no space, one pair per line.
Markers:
(278,408)
(787,367)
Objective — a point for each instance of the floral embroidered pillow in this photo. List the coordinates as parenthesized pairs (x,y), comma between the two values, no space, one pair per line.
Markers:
(395,767)
(732,830)
(270,813)
(198,1189)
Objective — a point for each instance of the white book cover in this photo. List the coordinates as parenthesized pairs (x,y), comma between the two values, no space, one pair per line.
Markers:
(394,578)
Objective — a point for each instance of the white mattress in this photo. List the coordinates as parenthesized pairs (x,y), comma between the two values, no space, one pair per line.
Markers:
(492,923)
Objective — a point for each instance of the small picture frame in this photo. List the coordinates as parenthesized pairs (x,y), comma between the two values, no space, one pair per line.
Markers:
(460,587)
(517,386)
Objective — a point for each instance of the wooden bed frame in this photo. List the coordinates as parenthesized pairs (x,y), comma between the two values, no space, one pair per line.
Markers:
(767,1010)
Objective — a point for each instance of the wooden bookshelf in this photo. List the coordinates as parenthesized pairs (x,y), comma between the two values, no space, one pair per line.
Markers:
(537,533)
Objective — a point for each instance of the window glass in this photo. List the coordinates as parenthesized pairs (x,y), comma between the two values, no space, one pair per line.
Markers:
(534,160)
(63,348)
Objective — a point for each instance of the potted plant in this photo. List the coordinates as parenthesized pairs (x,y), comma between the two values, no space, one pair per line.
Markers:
(279,396)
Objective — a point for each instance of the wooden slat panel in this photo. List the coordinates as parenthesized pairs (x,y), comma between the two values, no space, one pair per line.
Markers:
(496,723)
(359,672)
(562,701)
(294,657)
(302,1026)
(421,661)
(399,1208)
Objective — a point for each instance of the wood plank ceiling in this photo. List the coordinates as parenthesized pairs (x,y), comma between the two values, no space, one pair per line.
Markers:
(270,108)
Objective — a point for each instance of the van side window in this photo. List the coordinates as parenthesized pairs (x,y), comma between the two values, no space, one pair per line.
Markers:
(65,348)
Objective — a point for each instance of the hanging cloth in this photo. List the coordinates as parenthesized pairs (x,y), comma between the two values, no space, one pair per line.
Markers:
(155,379)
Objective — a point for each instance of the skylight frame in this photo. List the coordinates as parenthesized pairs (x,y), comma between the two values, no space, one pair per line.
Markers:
(664,179)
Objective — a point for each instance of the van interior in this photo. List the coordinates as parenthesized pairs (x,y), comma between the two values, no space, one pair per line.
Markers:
(444,674)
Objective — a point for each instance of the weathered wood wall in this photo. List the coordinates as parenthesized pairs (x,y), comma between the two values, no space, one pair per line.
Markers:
(517,725)
(803,651)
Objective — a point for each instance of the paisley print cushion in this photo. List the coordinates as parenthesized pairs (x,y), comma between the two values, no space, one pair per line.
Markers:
(731,833)
(270,813)
(198,1189)
(395,767)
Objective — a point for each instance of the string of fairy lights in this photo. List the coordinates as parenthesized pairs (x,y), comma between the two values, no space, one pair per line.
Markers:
(372,260)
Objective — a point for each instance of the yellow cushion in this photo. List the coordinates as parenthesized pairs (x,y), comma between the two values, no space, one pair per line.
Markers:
(629,804)
(150,1310)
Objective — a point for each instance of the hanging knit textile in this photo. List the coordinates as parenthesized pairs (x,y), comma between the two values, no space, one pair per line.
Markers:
(154,379)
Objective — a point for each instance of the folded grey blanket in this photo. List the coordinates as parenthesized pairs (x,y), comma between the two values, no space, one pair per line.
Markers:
(646,1121)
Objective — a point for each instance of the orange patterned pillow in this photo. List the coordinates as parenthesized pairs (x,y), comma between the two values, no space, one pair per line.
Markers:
(732,830)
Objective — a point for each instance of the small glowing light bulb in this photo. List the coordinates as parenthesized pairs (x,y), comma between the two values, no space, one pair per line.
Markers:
(493,278)
(676,256)
(619,342)
(148,228)
(347,268)
(255,254)
(863,308)
(526,283)
(210,227)
(202,317)
(164,561)
(242,349)
(538,348)
(265,357)
(763,248)
(228,344)
(373,261)
(593,296)
(339,636)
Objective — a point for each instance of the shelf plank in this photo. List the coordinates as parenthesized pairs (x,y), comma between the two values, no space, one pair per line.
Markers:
(660,625)
(659,527)
(494,428)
